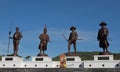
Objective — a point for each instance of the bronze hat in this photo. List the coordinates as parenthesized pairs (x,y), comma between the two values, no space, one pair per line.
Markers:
(102,24)
(72,27)
(45,28)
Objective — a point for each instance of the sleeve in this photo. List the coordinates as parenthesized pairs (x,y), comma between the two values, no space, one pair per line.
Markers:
(14,36)
(107,32)
(76,35)
(40,36)
(21,36)
(48,39)
(69,37)
(98,36)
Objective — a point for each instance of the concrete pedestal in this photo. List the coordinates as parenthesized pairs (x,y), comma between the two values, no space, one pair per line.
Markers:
(73,62)
(103,57)
(102,61)
(39,62)
(11,58)
(42,59)
(11,62)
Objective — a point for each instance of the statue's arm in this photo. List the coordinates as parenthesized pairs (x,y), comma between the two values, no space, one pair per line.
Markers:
(48,39)
(40,36)
(69,37)
(21,35)
(107,31)
(11,37)
(76,35)
(98,36)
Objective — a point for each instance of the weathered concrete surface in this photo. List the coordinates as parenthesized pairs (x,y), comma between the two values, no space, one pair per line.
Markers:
(58,70)
(102,70)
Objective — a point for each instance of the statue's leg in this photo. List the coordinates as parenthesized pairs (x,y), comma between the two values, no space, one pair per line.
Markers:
(41,48)
(17,46)
(43,51)
(106,46)
(14,43)
(40,51)
(104,50)
(14,50)
(69,44)
(74,44)
(107,50)
(44,47)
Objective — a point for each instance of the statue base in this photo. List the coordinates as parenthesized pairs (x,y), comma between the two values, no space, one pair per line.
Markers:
(103,57)
(73,62)
(102,61)
(13,55)
(12,58)
(104,53)
(71,54)
(42,54)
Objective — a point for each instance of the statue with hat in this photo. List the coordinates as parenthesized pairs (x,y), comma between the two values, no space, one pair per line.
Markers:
(16,39)
(102,37)
(44,39)
(72,39)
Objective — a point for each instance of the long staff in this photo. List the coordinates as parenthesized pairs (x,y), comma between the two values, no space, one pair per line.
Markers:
(9,36)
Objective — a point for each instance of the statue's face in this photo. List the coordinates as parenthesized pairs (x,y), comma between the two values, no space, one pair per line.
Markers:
(17,29)
(73,29)
(102,26)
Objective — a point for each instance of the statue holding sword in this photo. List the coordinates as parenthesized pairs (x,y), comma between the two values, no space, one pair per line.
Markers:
(103,38)
(72,39)
(44,39)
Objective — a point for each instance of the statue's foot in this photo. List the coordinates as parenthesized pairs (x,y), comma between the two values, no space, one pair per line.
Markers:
(15,54)
(107,52)
(71,54)
(42,54)
(10,55)
(104,53)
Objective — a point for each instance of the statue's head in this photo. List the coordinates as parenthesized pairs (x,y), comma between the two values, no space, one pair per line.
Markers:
(45,29)
(73,28)
(102,24)
(17,29)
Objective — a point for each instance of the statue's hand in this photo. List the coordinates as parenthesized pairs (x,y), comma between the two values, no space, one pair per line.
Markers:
(10,37)
(68,40)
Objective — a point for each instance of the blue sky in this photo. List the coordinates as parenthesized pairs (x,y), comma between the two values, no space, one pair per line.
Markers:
(59,15)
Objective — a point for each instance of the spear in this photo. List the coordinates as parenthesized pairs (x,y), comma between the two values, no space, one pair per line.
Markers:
(67,40)
(65,37)
(110,39)
(9,36)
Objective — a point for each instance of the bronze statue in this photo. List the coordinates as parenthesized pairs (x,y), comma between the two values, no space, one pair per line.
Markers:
(102,37)
(44,39)
(16,39)
(72,39)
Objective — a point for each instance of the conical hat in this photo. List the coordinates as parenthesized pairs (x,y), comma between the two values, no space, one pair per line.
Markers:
(45,28)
